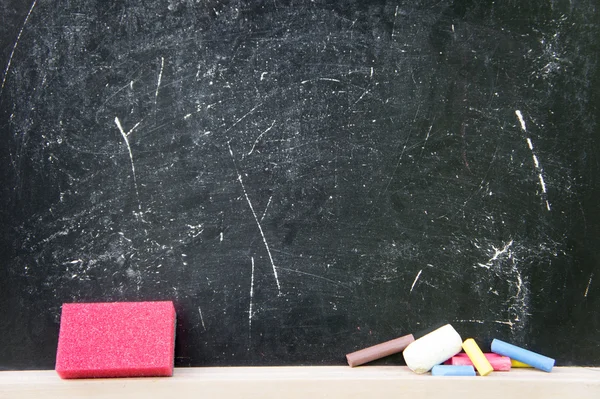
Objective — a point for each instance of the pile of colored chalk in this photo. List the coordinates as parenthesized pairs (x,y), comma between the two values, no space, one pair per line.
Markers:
(440,352)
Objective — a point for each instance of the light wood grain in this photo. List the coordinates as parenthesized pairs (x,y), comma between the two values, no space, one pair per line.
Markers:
(309,382)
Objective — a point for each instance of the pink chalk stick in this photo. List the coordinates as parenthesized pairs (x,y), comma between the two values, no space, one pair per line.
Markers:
(498,362)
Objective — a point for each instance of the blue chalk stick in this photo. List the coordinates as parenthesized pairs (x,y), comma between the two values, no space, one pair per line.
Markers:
(523,355)
(453,371)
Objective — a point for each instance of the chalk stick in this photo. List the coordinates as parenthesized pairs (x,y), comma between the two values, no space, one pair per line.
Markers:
(453,371)
(517,364)
(498,362)
(119,339)
(523,355)
(433,348)
(480,362)
(378,351)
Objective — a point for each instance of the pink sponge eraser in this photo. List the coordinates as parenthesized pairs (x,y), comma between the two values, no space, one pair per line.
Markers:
(118,339)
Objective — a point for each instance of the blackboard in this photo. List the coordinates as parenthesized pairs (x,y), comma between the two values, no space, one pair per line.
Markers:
(302,178)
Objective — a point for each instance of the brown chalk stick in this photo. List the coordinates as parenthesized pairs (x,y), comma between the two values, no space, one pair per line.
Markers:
(378,351)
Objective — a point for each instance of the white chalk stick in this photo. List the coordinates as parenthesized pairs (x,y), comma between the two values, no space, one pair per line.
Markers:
(433,348)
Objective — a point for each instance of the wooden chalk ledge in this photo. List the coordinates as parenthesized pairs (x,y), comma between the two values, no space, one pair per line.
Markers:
(377,382)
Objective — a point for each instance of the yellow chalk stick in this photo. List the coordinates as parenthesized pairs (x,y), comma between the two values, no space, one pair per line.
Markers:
(482,365)
(518,364)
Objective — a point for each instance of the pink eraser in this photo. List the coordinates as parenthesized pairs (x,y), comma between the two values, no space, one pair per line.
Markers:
(498,362)
(118,339)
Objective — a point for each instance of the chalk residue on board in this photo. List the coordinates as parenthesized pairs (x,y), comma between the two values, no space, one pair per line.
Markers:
(553,59)
(504,263)
(497,254)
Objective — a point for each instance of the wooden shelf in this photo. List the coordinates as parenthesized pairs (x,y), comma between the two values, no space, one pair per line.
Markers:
(377,382)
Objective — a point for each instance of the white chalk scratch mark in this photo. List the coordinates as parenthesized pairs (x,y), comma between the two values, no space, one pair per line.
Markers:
(259,137)
(315,276)
(250,313)
(394,23)
(529,144)
(371,72)
(426,139)
(587,289)
(520,305)
(125,138)
(12,53)
(519,283)
(162,66)
(521,120)
(123,236)
(201,318)
(416,279)
(260,229)
(542,183)
(262,75)
(428,133)
(502,251)
(396,168)
(536,162)
(196,230)
(497,254)
(266,208)
(242,118)
(361,97)
(508,323)
(326,79)
(221,237)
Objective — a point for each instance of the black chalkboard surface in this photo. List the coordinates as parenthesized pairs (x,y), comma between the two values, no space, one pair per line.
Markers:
(302,178)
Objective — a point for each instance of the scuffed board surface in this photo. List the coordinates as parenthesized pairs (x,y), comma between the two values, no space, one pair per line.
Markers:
(302,178)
